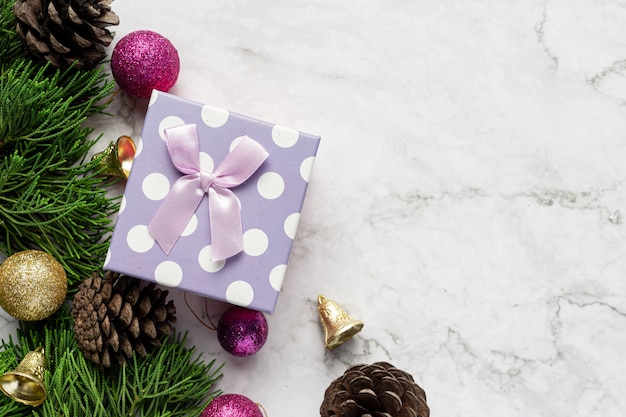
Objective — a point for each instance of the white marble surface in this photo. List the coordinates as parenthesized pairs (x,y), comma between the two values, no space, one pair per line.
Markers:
(466,202)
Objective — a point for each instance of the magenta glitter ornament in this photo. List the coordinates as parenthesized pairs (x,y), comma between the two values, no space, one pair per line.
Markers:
(232,405)
(241,331)
(144,60)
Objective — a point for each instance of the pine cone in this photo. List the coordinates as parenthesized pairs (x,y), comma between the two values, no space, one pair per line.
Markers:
(376,390)
(113,318)
(66,31)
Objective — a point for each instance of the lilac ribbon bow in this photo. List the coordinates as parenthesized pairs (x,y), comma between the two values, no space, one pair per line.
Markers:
(188,191)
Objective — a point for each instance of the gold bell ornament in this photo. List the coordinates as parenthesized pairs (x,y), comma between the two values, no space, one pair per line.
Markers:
(338,325)
(25,383)
(118,157)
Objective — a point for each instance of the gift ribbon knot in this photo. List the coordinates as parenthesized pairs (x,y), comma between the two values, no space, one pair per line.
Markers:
(188,191)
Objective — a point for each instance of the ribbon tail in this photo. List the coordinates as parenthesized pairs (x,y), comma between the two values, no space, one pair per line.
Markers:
(225,219)
(175,212)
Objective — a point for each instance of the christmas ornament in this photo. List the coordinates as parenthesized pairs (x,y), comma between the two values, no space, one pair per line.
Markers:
(241,331)
(144,60)
(378,389)
(338,325)
(232,405)
(65,32)
(25,383)
(114,317)
(117,158)
(33,285)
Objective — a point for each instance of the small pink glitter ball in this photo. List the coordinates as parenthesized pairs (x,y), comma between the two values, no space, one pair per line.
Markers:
(232,405)
(144,60)
(241,331)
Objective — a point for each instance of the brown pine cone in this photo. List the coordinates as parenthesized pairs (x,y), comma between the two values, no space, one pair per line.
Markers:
(376,390)
(114,317)
(66,31)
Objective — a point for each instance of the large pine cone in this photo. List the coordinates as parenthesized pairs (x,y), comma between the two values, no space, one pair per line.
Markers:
(376,390)
(113,318)
(66,31)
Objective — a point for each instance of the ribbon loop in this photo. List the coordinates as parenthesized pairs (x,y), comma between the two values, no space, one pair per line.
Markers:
(188,191)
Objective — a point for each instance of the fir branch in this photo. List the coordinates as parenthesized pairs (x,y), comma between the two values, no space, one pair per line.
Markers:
(50,197)
(163,387)
(10,45)
(171,381)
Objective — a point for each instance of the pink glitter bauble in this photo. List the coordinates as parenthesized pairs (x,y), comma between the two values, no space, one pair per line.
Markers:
(232,405)
(241,331)
(144,60)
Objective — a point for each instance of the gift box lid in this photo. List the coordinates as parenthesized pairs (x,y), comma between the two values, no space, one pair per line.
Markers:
(270,199)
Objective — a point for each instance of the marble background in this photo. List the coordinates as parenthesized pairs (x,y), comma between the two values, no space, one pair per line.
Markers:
(466,203)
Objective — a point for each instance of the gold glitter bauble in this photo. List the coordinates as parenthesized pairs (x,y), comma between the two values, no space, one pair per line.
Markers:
(33,285)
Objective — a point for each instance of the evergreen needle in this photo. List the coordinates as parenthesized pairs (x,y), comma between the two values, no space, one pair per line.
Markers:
(50,198)
(170,381)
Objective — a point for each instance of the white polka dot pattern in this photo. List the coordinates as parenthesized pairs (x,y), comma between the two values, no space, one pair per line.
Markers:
(235,142)
(284,137)
(306,167)
(138,147)
(167,122)
(206,162)
(168,273)
(191,227)
(255,242)
(277,274)
(139,239)
(206,263)
(271,185)
(271,201)
(240,293)
(122,204)
(214,116)
(291,225)
(153,98)
(155,186)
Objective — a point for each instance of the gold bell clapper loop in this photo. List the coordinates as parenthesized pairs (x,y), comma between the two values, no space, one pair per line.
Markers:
(25,383)
(338,325)
(117,158)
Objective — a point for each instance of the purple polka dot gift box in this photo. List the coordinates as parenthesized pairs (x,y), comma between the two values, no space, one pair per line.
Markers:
(212,203)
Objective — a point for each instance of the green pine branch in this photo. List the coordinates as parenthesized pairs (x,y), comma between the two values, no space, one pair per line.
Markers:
(172,381)
(10,45)
(51,197)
